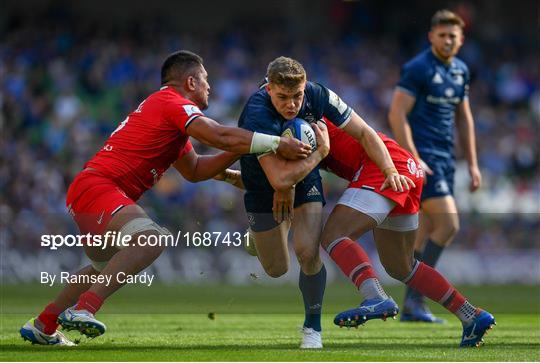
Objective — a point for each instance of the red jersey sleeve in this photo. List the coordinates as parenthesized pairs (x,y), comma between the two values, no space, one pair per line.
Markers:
(181,112)
(185,150)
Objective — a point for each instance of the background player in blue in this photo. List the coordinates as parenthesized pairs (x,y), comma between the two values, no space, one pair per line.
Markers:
(287,95)
(431,94)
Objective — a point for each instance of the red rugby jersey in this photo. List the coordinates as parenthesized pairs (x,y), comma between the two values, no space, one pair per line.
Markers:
(147,142)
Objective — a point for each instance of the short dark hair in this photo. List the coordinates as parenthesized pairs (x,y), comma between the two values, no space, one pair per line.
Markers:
(446,17)
(179,64)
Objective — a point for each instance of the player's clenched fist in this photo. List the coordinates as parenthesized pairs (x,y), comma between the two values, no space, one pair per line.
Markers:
(293,149)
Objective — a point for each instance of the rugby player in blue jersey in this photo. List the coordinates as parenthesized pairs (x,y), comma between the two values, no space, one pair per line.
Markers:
(286,95)
(432,96)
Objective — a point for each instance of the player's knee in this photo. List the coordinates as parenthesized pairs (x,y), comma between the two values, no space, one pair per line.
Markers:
(446,232)
(308,259)
(398,271)
(276,270)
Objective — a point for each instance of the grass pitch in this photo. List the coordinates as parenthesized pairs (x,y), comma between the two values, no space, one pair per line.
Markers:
(260,323)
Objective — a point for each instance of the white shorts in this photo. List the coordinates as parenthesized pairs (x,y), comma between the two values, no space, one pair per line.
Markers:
(378,207)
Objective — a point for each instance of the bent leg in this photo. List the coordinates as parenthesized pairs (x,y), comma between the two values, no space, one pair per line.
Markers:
(134,258)
(272,249)
(439,224)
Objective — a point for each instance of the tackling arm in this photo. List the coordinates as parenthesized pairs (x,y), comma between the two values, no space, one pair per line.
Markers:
(195,167)
(371,142)
(377,151)
(241,141)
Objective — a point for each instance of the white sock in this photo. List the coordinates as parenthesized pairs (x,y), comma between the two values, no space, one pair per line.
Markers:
(372,289)
(466,312)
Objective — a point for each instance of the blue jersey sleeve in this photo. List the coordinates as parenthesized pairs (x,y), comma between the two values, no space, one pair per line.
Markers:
(258,117)
(467,81)
(412,79)
(330,104)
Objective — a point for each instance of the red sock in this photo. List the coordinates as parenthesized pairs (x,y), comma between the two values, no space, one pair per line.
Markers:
(89,301)
(48,317)
(352,260)
(429,282)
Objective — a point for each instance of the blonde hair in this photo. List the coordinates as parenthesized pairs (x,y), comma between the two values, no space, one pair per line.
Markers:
(446,17)
(286,72)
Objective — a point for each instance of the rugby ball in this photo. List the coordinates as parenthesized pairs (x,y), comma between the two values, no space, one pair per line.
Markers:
(301,130)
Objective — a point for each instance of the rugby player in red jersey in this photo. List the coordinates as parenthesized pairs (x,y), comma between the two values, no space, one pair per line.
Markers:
(371,203)
(103,195)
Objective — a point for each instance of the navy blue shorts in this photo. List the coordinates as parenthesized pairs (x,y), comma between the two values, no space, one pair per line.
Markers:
(259,203)
(441,183)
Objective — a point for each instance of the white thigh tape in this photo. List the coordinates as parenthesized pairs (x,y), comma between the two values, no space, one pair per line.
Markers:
(139,225)
(403,223)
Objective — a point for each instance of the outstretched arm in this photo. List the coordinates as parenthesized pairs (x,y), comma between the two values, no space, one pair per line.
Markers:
(241,141)
(195,167)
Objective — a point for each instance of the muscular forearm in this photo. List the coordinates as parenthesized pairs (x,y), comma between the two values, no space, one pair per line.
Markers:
(295,171)
(284,174)
(376,150)
(208,166)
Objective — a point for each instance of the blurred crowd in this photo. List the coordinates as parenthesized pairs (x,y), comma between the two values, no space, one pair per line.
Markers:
(64,90)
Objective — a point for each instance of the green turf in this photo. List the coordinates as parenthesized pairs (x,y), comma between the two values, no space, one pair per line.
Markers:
(168,323)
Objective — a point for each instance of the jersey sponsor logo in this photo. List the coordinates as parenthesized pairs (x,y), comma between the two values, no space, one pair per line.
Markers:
(313,192)
(443,100)
(411,165)
(191,109)
(458,79)
(335,101)
(414,169)
(437,79)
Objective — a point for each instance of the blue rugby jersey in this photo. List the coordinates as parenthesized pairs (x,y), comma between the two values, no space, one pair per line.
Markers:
(260,115)
(438,89)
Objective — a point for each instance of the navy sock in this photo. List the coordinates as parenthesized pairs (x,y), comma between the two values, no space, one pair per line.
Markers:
(312,288)
(431,253)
